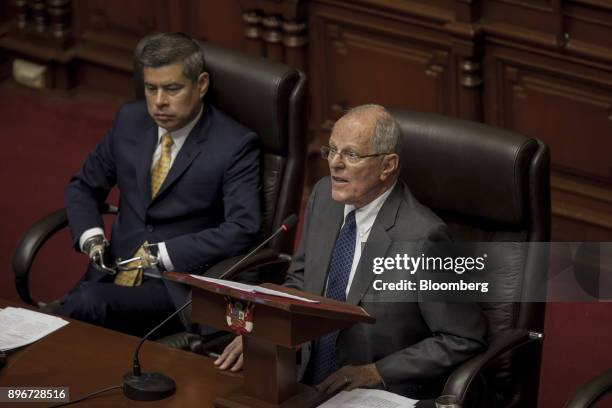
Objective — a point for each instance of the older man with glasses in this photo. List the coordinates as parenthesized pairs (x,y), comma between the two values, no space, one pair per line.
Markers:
(363,207)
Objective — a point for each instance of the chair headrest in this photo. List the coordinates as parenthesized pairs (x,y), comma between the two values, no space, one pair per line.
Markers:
(253,90)
(465,167)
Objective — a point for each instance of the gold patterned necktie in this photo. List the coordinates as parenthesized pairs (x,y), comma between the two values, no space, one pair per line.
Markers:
(131,277)
(162,166)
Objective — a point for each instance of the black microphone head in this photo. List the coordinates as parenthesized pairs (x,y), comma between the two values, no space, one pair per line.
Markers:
(289,222)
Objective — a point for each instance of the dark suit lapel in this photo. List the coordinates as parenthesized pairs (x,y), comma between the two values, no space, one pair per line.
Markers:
(377,245)
(331,221)
(143,165)
(190,150)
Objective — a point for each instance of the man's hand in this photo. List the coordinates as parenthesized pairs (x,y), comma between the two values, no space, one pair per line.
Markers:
(231,356)
(94,248)
(349,377)
(150,256)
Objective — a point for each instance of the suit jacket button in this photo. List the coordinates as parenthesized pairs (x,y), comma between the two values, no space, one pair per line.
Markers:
(150,228)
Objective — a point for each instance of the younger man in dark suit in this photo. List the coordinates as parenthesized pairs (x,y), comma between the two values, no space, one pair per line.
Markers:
(363,211)
(188,178)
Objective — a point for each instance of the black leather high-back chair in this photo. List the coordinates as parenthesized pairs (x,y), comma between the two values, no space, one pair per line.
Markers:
(489,185)
(263,95)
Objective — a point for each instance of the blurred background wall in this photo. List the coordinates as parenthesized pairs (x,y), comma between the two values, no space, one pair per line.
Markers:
(540,67)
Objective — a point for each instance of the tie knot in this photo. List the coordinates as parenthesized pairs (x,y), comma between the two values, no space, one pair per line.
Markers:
(350,218)
(166,140)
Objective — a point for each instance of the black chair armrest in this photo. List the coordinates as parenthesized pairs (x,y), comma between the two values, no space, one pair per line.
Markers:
(591,391)
(462,377)
(264,257)
(31,242)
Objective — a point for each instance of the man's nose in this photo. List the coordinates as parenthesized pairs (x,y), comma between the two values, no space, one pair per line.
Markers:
(160,98)
(336,162)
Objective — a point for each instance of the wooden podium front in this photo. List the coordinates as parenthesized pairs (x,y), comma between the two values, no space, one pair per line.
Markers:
(279,325)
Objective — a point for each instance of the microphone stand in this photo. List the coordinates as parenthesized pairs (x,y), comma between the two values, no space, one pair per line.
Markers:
(149,386)
(153,386)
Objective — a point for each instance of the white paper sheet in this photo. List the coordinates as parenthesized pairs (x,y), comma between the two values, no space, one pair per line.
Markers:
(20,327)
(253,289)
(366,398)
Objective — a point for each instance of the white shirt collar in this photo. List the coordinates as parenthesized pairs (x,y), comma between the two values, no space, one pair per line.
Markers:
(179,136)
(365,216)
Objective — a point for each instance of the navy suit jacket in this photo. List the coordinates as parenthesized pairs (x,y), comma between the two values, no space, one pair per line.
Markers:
(207,209)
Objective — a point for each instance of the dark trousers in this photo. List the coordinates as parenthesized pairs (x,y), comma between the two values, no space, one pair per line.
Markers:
(132,310)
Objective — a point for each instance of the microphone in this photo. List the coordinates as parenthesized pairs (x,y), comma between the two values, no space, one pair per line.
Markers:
(287,224)
(155,386)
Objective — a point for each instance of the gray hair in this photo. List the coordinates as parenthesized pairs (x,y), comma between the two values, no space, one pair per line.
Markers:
(386,137)
(162,49)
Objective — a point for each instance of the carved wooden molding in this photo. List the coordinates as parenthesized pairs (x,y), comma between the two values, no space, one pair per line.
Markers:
(571,185)
(22,13)
(60,15)
(44,22)
(567,207)
(471,74)
(252,24)
(277,30)
(294,34)
(272,29)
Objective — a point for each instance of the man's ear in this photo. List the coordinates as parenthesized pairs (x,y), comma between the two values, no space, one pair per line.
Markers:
(390,165)
(203,81)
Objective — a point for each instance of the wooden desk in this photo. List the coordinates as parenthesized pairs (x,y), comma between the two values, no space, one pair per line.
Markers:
(87,358)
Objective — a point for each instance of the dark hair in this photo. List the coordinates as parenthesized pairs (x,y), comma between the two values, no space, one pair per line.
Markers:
(157,50)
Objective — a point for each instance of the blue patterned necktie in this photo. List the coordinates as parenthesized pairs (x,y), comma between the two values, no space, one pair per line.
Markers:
(324,350)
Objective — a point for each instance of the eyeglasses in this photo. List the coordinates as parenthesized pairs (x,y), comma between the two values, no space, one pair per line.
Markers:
(329,152)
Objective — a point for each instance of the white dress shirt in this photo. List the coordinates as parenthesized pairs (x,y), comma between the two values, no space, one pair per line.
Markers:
(178,138)
(364,218)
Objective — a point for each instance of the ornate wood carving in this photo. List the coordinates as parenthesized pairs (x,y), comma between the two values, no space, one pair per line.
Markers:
(60,13)
(46,23)
(273,37)
(277,30)
(39,15)
(253,32)
(22,13)
(295,41)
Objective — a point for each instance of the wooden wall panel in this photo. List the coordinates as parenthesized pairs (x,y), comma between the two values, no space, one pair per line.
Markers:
(359,65)
(127,16)
(569,107)
(533,14)
(217,22)
(540,67)
(358,58)
(562,109)
(589,25)
(115,25)
(564,112)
